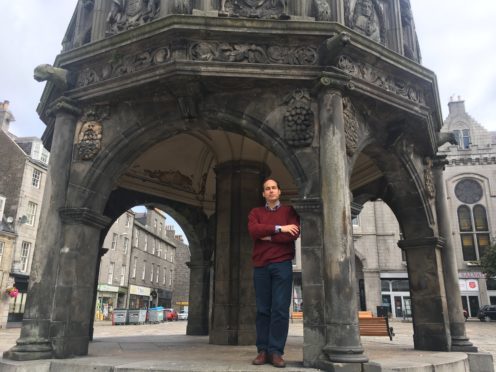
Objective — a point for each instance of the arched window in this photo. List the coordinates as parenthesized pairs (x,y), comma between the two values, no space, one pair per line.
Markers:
(472,220)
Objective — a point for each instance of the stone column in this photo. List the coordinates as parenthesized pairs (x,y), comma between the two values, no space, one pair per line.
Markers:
(341,311)
(101,10)
(34,342)
(199,291)
(239,189)
(429,310)
(459,339)
(314,331)
(73,293)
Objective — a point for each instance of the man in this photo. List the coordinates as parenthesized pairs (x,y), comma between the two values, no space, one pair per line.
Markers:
(274,228)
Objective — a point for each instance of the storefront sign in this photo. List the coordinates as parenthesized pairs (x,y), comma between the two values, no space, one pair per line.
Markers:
(140,291)
(471,275)
(469,285)
(182,303)
(107,288)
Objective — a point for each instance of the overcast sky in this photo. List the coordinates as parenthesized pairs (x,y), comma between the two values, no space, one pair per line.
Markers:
(457,40)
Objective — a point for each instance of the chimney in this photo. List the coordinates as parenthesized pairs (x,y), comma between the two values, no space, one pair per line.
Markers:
(179,237)
(5,116)
(169,231)
(456,107)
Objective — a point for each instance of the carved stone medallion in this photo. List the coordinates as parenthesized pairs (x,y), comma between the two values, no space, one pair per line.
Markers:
(90,137)
(430,187)
(299,119)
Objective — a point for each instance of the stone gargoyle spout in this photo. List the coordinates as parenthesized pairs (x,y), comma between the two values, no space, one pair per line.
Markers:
(58,76)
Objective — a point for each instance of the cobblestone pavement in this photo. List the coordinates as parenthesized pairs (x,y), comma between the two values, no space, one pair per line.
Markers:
(125,340)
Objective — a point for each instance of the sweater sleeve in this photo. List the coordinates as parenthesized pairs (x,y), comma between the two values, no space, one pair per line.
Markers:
(256,229)
(293,219)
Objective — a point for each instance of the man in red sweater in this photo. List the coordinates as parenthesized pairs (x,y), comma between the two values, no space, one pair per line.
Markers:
(274,229)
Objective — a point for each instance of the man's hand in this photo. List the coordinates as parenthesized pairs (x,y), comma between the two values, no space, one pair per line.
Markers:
(292,229)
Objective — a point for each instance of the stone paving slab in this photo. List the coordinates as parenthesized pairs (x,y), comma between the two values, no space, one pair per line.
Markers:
(165,348)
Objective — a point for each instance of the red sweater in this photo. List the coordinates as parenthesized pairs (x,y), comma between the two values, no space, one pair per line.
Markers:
(261,223)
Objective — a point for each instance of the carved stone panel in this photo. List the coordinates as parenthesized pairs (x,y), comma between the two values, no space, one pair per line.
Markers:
(367,18)
(299,119)
(351,126)
(128,14)
(89,140)
(272,9)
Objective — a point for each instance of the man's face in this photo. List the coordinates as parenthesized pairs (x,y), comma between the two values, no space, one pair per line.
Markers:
(271,192)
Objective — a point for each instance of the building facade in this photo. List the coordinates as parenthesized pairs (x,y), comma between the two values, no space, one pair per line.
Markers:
(144,265)
(23,165)
(469,181)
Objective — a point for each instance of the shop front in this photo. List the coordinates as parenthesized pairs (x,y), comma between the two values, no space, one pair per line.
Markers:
(470,291)
(139,297)
(107,301)
(17,303)
(395,294)
(164,298)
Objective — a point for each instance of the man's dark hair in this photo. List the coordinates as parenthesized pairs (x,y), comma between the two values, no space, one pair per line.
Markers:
(270,179)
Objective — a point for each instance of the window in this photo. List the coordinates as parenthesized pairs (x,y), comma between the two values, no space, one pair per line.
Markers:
(146,243)
(31,213)
(172,255)
(35,151)
(110,277)
(152,273)
(160,229)
(123,275)
(114,241)
(170,278)
(2,245)
(157,274)
(126,245)
(136,237)
(165,275)
(463,138)
(135,263)
(128,220)
(474,231)
(44,155)
(154,242)
(159,249)
(355,221)
(36,178)
(2,205)
(25,249)
(155,224)
(165,253)
(143,274)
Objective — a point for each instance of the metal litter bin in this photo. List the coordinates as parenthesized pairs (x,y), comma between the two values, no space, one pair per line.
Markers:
(119,316)
(156,314)
(137,316)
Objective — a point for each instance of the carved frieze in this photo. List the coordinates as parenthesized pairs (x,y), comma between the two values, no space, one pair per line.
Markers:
(381,79)
(272,9)
(127,14)
(351,126)
(252,53)
(123,65)
(299,119)
(172,178)
(89,141)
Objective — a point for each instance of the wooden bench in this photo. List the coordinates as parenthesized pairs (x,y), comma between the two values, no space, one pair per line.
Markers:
(296,315)
(375,326)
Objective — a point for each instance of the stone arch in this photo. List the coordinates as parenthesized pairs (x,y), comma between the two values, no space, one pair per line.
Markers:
(398,183)
(126,148)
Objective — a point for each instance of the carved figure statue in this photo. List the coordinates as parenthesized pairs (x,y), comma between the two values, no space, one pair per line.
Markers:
(115,18)
(365,19)
(284,4)
(58,76)
(322,10)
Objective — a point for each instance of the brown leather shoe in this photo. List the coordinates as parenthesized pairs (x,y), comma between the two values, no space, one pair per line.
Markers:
(277,361)
(261,358)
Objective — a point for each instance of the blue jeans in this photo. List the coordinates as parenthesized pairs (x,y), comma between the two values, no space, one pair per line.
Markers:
(273,285)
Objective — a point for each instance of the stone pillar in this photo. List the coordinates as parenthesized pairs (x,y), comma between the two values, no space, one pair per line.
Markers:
(341,310)
(34,342)
(314,331)
(199,291)
(101,10)
(239,189)
(430,313)
(459,339)
(74,289)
